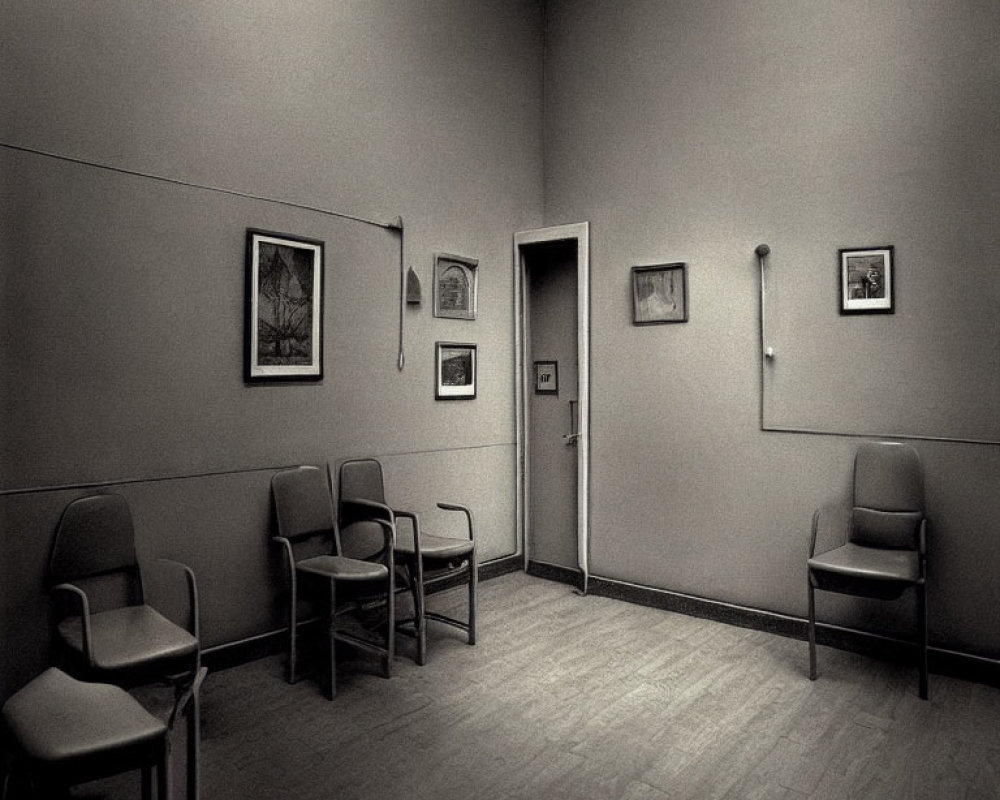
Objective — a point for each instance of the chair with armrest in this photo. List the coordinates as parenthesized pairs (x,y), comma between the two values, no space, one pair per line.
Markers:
(315,556)
(423,556)
(880,542)
(105,628)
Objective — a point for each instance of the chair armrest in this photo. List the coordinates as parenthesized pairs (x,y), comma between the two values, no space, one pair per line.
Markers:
(830,526)
(193,624)
(83,607)
(414,526)
(465,510)
(389,530)
(922,544)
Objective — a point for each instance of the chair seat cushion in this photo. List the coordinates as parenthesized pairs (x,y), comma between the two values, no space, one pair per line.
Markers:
(129,637)
(436,547)
(342,568)
(867,564)
(56,718)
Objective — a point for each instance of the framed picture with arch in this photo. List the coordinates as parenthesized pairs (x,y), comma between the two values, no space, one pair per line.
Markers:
(455,285)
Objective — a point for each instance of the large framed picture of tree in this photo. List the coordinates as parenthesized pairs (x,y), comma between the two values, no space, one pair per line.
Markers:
(284,308)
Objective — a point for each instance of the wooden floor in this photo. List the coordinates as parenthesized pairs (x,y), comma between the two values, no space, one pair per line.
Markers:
(587,697)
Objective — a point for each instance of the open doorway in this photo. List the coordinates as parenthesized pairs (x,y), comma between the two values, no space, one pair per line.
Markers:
(552,296)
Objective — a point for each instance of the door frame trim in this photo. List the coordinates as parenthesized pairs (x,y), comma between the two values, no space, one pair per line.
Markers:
(580,232)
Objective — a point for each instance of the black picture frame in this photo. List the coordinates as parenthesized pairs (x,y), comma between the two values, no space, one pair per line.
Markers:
(283,325)
(660,294)
(867,281)
(456,366)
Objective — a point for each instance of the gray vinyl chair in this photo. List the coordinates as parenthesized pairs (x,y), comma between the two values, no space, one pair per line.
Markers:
(880,541)
(104,627)
(315,557)
(59,732)
(422,556)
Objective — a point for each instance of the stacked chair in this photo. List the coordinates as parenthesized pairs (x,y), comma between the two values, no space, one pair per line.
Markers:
(76,720)
(421,556)
(348,574)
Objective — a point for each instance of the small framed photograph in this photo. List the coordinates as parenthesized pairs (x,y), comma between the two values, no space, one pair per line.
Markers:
(456,371)
(659,294)
(866,280)
(546,377)
(283,330)
(455,279)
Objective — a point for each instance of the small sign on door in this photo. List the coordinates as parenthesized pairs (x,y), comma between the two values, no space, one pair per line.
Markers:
(546,377)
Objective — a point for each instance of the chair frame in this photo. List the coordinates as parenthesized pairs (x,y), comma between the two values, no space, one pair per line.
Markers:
(286,542)
(187,683)
(413,564)
(874,589)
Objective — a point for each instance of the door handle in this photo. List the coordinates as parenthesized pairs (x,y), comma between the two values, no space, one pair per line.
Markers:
(573,436)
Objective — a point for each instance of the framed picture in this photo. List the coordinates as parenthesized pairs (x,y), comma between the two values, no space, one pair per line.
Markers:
(455,286)
(866,280)
(284,308)
(659,294)
(546,377)
(456,371)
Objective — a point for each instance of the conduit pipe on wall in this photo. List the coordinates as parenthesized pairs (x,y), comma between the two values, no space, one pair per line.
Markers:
(762,251)
(396,225)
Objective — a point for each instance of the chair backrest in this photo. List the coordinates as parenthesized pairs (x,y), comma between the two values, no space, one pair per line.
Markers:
(362,479)
(304,508)
(888,496)
(95,539)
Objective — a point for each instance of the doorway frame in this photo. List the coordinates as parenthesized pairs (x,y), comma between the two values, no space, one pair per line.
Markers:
(580,232)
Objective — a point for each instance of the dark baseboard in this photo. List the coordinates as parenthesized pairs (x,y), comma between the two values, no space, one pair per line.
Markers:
(554,572)
(233,654)
(941,661)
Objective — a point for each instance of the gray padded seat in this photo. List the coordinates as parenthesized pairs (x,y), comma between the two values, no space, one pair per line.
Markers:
(61,732)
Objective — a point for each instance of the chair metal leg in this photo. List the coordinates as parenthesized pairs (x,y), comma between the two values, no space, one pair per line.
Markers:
(163,772)
(922,635)
(812,630)
(332,692)
(473,590)
(194,740)
(390,634)
(147,783)
(420,621)
(293,601)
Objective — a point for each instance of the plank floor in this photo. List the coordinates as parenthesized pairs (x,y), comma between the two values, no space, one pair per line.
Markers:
(588,697)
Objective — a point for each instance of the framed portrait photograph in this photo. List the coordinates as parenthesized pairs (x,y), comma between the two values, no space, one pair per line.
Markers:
(659,294)
(866,280)
(455,366)
(546,377)
(455,279)
(283,330)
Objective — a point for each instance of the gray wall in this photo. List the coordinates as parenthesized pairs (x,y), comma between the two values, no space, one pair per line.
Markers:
(692,131)
(121,295)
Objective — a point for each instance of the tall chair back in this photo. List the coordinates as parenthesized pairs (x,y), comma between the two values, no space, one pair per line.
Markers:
(888,496)
(304,510)
(95,546)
